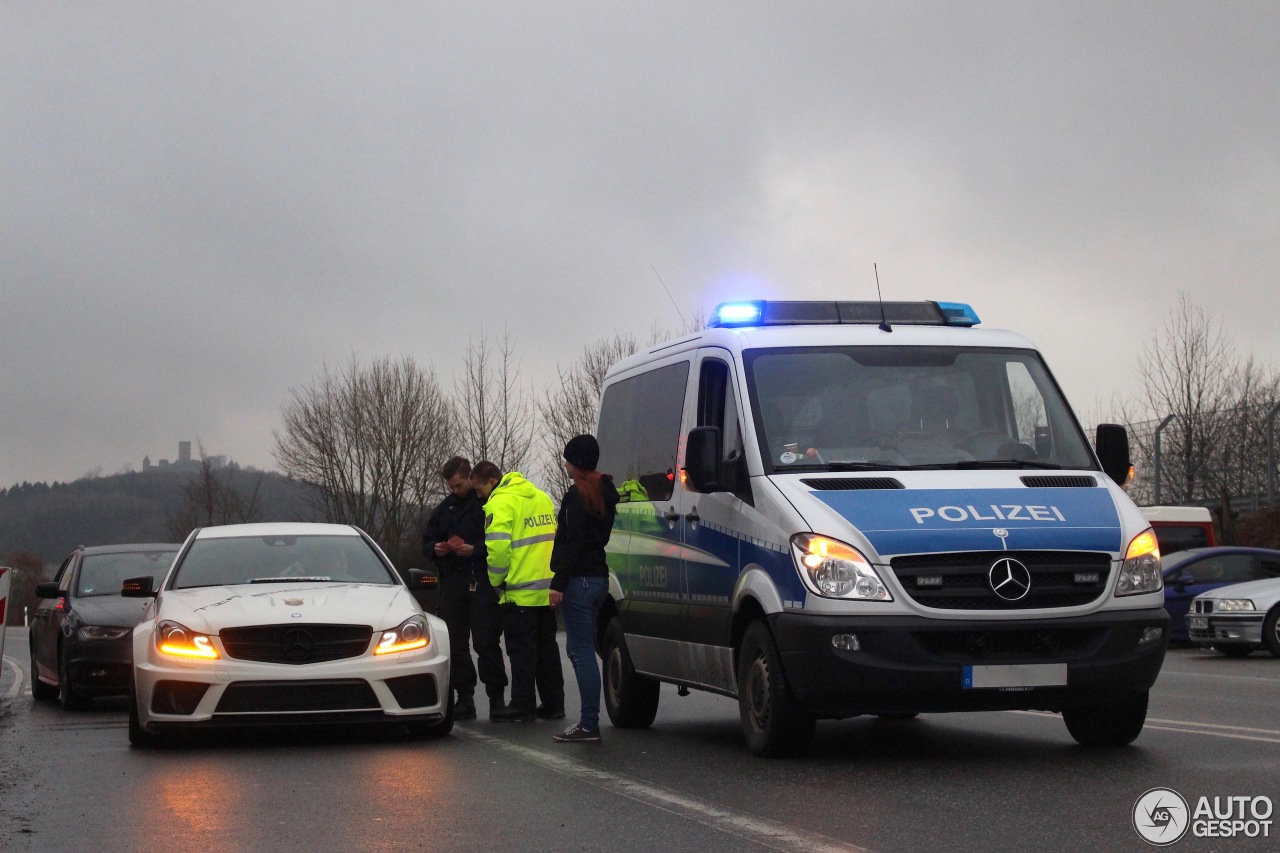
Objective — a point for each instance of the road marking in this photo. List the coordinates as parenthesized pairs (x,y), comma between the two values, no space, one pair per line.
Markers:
(17,678)
(1190,728)
(761,831)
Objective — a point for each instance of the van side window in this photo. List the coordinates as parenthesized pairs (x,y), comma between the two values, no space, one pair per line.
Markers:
(718,407)
(639,432)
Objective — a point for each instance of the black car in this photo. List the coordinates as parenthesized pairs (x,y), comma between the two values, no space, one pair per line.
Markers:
(81,643)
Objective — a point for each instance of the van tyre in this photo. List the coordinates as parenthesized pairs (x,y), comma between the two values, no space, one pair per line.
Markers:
(631,700)
(1233,650)
(1271,632)
(40,690)
(773,723)
(1118,724)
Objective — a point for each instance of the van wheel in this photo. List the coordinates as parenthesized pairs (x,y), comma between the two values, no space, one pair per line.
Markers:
(40,690)
(1232,650)
(631,700)
(773,723)
(1271,632)
(1108,725)
(138,736)
(69,697)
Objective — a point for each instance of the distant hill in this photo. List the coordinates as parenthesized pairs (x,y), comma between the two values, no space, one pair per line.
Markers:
(51,520)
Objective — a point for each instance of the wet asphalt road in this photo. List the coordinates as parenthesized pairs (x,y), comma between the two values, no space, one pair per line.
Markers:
(1003,781)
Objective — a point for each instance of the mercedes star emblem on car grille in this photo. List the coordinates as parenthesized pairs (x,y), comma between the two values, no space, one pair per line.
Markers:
(1009,579)
(298,644)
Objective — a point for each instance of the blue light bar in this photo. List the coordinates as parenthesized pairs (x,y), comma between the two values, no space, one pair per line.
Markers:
(958,314)
(736,314)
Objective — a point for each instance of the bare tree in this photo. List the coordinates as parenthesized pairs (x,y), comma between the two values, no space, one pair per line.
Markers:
(570,408)
(496,416)
(371,440)
(214,496)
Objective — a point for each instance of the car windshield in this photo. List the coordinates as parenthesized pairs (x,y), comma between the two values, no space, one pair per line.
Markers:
(895,408)
(284,559)
(102,574)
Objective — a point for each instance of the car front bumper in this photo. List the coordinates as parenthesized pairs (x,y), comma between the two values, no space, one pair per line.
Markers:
(100,667)
(407,687)
(907,664)
(1215,629)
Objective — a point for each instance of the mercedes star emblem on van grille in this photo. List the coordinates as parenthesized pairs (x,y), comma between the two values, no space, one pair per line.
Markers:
(1009,579)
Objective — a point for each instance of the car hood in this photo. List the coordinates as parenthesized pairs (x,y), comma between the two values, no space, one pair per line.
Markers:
(110,610)
(1262,593)
(210,609)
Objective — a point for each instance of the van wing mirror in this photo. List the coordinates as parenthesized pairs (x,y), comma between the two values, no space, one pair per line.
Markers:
(702,458)
(141,587)
(1112,445)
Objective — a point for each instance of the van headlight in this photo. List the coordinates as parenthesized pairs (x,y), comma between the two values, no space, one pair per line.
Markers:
(832,569)
(410,634)
(1140,571)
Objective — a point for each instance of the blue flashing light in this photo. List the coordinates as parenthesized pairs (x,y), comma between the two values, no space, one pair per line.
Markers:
(958,314)
(736,314)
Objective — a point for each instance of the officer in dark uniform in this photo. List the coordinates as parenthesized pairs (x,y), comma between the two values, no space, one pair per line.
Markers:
(454,540)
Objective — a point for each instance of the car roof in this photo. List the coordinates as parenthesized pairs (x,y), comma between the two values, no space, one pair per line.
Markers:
(130,548)
(281,528)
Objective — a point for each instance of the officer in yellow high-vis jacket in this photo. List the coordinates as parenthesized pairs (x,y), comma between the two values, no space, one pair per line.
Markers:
(519,529)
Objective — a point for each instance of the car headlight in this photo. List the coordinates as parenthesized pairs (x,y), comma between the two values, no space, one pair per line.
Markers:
(1228,605)
(410,634)
(102,632)
(1140,571)
(832,569)
(181,642)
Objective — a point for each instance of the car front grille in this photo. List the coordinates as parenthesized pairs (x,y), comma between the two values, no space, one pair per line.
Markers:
(963,581)
(1202,605)
(279,697)
(296,644)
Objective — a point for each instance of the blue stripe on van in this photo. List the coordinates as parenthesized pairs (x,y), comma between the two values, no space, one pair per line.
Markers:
(929,521)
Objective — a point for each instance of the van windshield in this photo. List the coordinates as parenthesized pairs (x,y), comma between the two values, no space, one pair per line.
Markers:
(887,408)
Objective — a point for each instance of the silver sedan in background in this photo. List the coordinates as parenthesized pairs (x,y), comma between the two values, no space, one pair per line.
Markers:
(1237,619)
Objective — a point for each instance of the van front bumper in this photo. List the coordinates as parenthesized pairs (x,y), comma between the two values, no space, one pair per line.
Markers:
(911,664)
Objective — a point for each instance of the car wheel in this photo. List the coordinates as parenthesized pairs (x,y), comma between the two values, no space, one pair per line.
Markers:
(439,729)
(69,697)
(138,736)
(631,700)
(40,690)
(773,722)
(1232,650)
(1271,631)
(1118,724)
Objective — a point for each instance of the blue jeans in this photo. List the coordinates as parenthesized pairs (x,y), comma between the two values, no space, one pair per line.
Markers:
(582,600)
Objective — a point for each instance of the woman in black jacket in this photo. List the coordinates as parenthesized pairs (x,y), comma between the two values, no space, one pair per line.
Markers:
(581,574)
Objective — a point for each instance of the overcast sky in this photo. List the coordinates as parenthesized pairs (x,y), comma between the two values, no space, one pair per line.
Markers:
(203,203)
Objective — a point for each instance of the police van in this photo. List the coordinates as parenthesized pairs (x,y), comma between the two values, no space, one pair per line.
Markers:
(841,508)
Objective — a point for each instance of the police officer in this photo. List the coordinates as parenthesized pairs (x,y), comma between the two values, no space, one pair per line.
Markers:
(519,529)
(454,539)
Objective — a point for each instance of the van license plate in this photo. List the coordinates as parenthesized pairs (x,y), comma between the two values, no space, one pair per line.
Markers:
(1015,675)
(1198,623)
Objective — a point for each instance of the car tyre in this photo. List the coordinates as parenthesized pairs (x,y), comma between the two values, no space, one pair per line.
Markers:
(138,736)
(1271,631)
(1118,724)
(631,700)
(437,729)
(773,722)
(1233,650)
(39,690)
(69,697)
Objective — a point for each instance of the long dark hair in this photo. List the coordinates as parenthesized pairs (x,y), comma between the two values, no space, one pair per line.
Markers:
(588,485)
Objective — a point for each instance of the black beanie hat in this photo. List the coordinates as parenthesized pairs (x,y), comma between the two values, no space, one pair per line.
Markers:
(583,451)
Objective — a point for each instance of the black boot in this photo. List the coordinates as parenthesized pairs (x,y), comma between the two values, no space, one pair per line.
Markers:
(464,708)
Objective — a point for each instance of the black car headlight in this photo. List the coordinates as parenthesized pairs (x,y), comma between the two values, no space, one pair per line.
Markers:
(410,634)
(102,632)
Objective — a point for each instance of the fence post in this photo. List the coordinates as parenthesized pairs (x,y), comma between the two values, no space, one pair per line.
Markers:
(1164,423)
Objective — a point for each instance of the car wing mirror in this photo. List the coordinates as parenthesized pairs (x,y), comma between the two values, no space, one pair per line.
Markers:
(143,587)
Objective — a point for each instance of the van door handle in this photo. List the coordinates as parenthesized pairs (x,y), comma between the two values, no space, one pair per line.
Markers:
(671,515)
(693,517)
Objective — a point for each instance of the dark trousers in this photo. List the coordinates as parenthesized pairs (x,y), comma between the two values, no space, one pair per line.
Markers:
(530,634)
(473,618)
